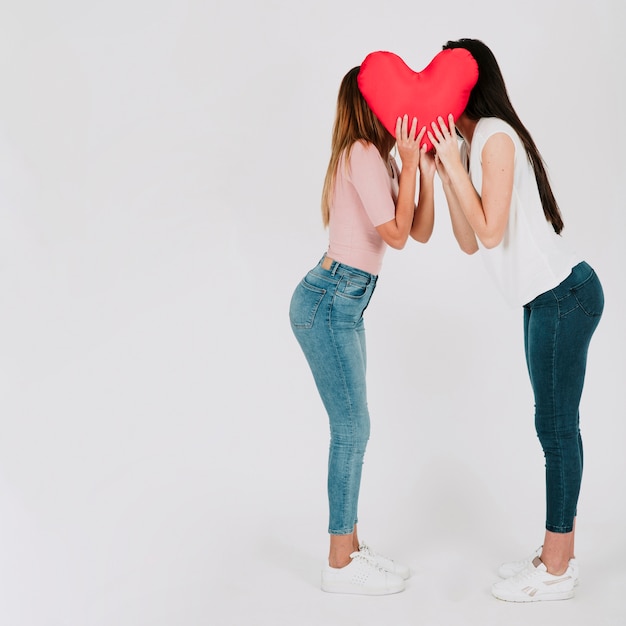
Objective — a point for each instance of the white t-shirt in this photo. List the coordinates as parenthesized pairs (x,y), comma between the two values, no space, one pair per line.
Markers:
(531,258)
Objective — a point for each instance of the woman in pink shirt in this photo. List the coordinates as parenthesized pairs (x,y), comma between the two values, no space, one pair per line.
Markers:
(368,203)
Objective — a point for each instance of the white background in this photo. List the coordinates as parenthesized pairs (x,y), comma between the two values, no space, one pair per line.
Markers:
(162,444)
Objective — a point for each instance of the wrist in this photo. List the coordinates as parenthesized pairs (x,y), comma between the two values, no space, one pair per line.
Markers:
(410,168)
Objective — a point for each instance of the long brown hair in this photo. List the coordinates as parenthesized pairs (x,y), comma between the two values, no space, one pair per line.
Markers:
(489,98)
(354,121)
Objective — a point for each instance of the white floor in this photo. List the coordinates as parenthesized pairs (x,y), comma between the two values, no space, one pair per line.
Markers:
(449,587)
(184,532)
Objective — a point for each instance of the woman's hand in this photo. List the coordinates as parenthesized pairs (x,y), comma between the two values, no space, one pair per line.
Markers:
(408,143)
(446,144)
(395,232)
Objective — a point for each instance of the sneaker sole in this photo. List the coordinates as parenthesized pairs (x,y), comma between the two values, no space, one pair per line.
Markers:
(576,580)
(562,595)
(352,589)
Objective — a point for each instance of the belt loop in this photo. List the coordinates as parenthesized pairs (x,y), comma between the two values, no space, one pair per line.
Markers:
(335,268)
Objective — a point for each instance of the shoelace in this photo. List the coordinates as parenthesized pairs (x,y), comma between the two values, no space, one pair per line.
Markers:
(368,558)
(365,549)
(526,574)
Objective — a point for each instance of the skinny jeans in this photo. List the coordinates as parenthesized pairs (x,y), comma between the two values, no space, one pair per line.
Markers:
(558,326)
(326,315)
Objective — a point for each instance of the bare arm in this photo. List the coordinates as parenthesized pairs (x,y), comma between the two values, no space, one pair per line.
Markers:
(463,233)
(424,216)
(487,215)
(395,232)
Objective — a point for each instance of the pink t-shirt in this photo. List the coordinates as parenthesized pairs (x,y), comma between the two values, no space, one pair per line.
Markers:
(364,197)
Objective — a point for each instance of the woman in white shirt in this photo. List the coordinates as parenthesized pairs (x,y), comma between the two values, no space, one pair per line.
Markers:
(501,203)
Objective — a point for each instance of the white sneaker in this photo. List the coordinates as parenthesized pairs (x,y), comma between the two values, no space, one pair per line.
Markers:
(534,584)
(391,566)
(361,576)
(507,570)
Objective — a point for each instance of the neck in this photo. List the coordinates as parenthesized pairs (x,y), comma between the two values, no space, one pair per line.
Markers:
(466,127)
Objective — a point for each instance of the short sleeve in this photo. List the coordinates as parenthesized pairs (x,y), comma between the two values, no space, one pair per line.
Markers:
(370,178)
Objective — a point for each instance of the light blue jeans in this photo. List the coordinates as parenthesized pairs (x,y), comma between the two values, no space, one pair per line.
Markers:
(558,326)
(326,314)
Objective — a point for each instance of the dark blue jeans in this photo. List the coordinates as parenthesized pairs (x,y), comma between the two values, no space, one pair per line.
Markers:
(326,314)
(558,326)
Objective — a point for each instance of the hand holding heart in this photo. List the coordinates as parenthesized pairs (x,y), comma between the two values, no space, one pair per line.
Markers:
(408,142)
(392,89)
(444,139)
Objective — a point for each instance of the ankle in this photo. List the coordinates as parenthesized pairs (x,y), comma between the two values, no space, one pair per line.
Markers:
(554,567)
(338,562)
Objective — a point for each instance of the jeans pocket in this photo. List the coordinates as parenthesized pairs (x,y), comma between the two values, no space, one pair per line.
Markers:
(352,286)
(305,302)
(350,301)
(590,296)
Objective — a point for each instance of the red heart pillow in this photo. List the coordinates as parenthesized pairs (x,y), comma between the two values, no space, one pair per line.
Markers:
(391,88)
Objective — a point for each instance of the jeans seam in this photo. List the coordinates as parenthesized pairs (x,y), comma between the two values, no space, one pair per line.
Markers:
(344,486)
(555,425)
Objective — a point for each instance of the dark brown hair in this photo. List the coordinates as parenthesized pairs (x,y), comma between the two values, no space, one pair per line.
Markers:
(489,98)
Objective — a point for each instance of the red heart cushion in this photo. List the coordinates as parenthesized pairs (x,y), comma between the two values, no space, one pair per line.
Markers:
(391,88)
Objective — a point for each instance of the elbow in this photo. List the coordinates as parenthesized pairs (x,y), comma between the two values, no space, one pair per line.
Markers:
(423,232)
(467,242)
(469,246)
(491,241)
(469,250)
(397,243)
(422,237)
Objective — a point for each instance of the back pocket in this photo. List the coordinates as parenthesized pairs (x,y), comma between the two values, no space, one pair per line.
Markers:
(305,301)
(590,296)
